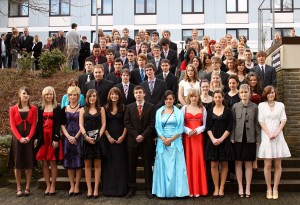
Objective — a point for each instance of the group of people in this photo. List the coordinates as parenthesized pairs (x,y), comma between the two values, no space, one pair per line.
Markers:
(223,112)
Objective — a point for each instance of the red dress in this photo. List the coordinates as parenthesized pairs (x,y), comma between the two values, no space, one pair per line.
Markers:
(194,156)
(47,152)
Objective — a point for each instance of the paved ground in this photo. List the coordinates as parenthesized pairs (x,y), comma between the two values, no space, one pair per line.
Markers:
(7,197)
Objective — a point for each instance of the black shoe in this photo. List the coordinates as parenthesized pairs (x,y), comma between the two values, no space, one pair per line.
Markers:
(96,196)
(89,196)
(52,193)
(71,193)
(149,195)
(130,194)
(76,193)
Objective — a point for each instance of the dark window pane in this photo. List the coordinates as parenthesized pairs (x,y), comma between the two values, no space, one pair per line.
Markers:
(14,9)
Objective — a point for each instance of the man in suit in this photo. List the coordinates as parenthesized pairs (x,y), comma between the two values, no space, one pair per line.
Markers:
(144,50)
(103,46)
(216,63)
(168,77)
(131,65)
(126,87)
(169,54)
(266,73)
(155,37)
(122,54)
(155,88)
(96,57)
(26,41)
(115,76)
(138,75)
(87,76)
(139,120)
(84,52)
(167,35)
(130,41)
(156,61)
(137,46)
(100,84)
(109,65)
(3,51)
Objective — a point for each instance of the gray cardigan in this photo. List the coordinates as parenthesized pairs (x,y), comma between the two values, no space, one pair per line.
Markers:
(248,115)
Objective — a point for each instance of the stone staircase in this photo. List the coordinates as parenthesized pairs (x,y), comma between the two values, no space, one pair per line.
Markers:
(290,178)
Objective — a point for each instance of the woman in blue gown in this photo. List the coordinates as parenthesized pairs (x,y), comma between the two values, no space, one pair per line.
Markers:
(170,175)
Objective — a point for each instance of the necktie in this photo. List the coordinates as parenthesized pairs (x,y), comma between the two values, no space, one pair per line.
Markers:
(88,78)
(151,86)
(96,60)
(142,74)
(166,54)
(130,67)
(109,67)
(123,59)
(140,110)
(263,71)
(137,49)
(165,76)
(157,63)
(126,90)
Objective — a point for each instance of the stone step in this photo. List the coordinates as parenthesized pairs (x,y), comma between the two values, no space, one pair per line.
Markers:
(287,173)
(291,162)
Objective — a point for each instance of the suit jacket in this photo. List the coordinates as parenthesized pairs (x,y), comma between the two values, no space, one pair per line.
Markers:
(106,70)
(102,90)
(224,77)
(130,96)
(140,126)
(37,49)
(158,69)
(85,49)
(134,66)
(136,77)
(113,78)
(269,78)
(28,43)
(134,48)
(82,80)
(157,97)
(131,42)
(101,60)
(171,82)
(172,57)
(173,46)
(149,57)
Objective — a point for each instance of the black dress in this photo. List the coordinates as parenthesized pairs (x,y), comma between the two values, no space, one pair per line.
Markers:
(114,169)
(218,125)
(92,151)
(231,100)
(244,151)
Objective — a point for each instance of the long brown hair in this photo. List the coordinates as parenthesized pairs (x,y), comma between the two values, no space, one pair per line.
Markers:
(26,89)
(88,104)
(109,103)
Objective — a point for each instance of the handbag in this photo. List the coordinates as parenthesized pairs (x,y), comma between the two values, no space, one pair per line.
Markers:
(93,134)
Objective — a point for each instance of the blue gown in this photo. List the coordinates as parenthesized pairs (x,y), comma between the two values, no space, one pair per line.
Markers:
(170,175)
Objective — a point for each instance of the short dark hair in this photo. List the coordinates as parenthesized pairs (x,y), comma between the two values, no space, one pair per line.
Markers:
(157,46)
(235,77)
(126,71)
(138,87)
(147,32)
(131,51)
(167,93)
(118,60)
(164,41)
(74,25)
(108,51)
(261,53)
(144,44)
(84,37)
(165,61)
(155,33)
(150,65)
(96,45)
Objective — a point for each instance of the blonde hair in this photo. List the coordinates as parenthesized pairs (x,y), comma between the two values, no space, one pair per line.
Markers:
(45,92)
(244,87)
(193,93)
(74,89)
(220,85)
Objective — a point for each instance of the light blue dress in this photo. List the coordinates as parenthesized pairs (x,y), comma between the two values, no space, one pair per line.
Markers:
(169,175)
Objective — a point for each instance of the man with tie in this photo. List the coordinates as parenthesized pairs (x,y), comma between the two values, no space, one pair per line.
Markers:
(87,76)
(139,121)
(130,41)
(26,41)
(156,61)
(169,54)
(131,63)
(126,87)
(115,76)
(144,50)
(96,57)
(167,35)
(137,46)
(139,75)
(100,84)
(109,65)
(122,54)
(154,88)
(266,73)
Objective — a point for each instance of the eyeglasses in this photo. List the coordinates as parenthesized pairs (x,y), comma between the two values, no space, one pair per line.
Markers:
(214,62)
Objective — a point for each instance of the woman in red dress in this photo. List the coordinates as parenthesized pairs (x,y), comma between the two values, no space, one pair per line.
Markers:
(193,144)
(22,118)
(48,134)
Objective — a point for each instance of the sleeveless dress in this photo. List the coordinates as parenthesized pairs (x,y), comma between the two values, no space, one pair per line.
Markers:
(170,174)
(194,155)
(115,167)
(72,153)
(91,151)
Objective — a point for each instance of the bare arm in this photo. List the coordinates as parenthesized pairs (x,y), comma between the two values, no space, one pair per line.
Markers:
(181,96)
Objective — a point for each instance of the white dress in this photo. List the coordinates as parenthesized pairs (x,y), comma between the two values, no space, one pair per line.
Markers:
(187,87)
(272,148)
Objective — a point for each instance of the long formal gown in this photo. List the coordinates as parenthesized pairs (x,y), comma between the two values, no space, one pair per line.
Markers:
(194,155)
(114,169)
(170,174)
(272,148)
(72,152)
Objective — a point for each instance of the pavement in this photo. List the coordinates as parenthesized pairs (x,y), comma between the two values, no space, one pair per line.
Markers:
(8,197)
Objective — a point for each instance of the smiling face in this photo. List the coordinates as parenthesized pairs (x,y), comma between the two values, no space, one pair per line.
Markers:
(204,87)
(232,84)
(169,101)
(93,98)
(114,97)
(49,97)
(73,97)
(271,96)
(253,81)
(98,74)
(139,95)
(24,96)
(218,98)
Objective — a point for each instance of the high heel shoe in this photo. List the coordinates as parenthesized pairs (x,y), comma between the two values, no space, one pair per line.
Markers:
(275,194)
(269,194)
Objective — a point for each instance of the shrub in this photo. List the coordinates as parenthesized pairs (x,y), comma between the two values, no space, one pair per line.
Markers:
(51,61)
(25,62)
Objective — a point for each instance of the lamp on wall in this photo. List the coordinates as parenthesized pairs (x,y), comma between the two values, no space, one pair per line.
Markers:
(98,7)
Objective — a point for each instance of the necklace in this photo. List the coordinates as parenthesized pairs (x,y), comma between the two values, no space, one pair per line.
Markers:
(74,106)
(271,105)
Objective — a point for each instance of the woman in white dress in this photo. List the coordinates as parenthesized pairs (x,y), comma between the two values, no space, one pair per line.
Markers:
(272,119)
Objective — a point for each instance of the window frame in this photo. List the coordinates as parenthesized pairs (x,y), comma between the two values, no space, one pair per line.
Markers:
(93,33)
(19,9)
(281,7)
(237,9)
(198,29)
(101,11)
(193,7)
(237,32)
(145,8)
(281,32)
(59,9)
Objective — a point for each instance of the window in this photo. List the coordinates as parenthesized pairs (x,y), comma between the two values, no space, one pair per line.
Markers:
(187,33)
(237,6)
(192,6)
(59,7)
(283,32)
(144,7)
(93,35)
(283,5)
(150,30)
(236,33)
(106,7)
(18,9)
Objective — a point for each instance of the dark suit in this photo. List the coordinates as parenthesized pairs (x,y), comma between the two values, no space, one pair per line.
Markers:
(157,97)
(269,78)
(171,82)
(149,57)
(113,78)
(224,77)
(82,80)
(172,57)
(173,46)
(135,65)
(131,42)
(136,77)
(84,52)
(102,89)
(158,69)
(140,126)
(106,68)
(26,43)
(130,96)
(101,59)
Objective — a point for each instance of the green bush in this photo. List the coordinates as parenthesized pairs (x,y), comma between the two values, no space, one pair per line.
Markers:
(25,62)
(51,61)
